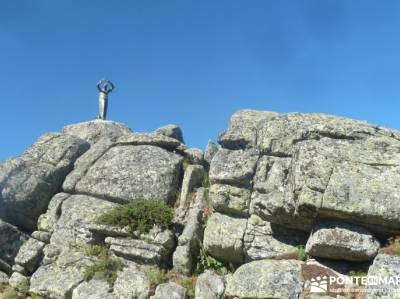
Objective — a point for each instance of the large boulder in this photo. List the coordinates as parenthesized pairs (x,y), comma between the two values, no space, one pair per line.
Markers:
(93,131)
(28,183)
(223,238)
(127,172)
(312,167)
(266,279)
(342,241)
(172,131)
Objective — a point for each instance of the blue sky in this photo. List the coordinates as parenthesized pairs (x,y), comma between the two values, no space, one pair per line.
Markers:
(194,63)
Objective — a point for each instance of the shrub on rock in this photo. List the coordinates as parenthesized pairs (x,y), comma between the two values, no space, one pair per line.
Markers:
(140,215)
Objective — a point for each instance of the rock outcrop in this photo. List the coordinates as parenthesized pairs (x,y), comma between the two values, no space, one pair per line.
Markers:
(249,216)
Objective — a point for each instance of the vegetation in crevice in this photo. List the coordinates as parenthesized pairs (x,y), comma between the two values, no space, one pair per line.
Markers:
(207,262)
(105,267)
(19,292)
(139,215)
(301,253)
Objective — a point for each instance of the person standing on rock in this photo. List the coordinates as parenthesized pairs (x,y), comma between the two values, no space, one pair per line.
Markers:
(104,87)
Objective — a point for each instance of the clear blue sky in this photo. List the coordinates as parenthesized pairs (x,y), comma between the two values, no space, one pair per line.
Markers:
(194,63)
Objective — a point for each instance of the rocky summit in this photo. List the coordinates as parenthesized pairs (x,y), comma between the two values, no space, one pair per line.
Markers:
(282,205)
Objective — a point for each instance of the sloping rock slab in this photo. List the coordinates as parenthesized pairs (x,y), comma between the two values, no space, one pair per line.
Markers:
(125,173)
(266,279)
(28,183)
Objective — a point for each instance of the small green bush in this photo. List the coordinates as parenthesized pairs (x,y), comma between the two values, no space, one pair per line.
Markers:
(139,215)
(95,250)
(301,253)
(206,261)
(104,269)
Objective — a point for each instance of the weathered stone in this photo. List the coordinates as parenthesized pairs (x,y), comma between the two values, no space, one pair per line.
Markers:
(41,236)
(3,278)
(172,131)
(126,173)
(211,150)
(94,289)
(153,248)
(77,213)
(266,279)
(132,284)
(233,167)
(190,240)
(243,126)
(209,286)
(194,219)
(28,183)
(223,237)
(84,162)
(331,179)
(19,269)
(230,199)
(47,220)
(18,280)
(138,250)
(194,155)
(316,166)
(169,290)
(263,240)
(342,241)
(93,131)
(30,254)
(192,179)
(183,259)
(385,267)
(109,230)
(59,279)
(170,144)
(161,237)
(11,239)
